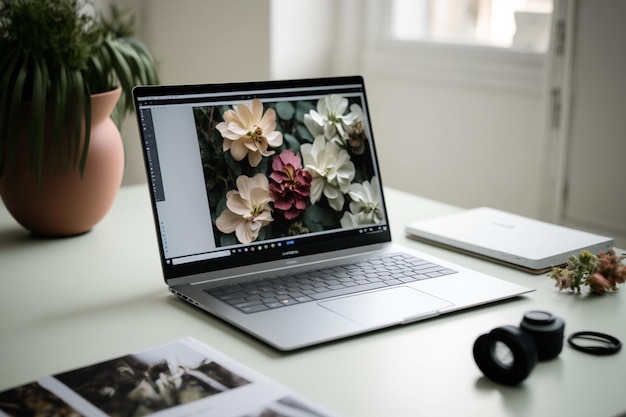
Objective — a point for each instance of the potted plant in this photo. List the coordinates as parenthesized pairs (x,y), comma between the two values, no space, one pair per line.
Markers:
(62,71)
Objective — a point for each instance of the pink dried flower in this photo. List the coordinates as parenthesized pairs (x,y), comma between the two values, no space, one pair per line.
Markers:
(599,284)
(291,184)
(601,273)
(564,280)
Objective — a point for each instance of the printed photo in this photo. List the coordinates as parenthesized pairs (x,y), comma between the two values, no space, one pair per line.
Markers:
(138,385)
(181,378)
(34,400)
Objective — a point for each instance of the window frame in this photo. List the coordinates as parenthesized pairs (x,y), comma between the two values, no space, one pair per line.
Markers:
(464,64)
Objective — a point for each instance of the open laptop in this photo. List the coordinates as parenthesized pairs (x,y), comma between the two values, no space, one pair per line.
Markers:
(270,215)
(518,241)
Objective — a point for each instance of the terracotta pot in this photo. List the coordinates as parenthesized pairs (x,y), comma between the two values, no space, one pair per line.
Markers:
(66,204)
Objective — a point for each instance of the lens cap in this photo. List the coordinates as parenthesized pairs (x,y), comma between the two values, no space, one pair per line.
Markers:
(538,318)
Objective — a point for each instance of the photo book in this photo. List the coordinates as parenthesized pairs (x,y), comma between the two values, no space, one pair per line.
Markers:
(181,378)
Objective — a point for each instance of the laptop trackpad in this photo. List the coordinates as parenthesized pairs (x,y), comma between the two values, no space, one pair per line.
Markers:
(389,306)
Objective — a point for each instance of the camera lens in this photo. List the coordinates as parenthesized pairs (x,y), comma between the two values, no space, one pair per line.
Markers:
(505,355)
(547,330)
(508,354)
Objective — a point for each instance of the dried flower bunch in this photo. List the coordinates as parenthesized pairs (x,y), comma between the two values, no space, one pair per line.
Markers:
(601,273)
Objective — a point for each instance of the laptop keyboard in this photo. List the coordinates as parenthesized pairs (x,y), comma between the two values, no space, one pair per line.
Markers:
(315,285)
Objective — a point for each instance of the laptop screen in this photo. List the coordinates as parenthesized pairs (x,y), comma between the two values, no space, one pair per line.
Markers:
(253,172)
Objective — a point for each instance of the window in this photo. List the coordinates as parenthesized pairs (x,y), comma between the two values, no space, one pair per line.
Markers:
(497,43)
(518,24)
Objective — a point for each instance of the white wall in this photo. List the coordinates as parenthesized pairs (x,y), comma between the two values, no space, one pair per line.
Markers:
(316,38)
(198,41)
(301,38)
(463,145)
(203,41)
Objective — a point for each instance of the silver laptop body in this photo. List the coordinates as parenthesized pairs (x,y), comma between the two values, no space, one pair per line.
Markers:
(518,241)
(259,181)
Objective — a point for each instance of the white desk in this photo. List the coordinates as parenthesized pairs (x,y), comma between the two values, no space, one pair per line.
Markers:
(70,302)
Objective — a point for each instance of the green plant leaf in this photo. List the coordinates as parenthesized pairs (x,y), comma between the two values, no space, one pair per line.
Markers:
(8,63)
(97,72)
(59,94)
(304,134)
(84,109)
(285,110)
(134,60)
(121,68)
(148,61)
(292,143)
(302,108)
(80,106)
(38,103)
(15,108)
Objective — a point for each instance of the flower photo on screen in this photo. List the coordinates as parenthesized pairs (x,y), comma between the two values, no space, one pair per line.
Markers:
(283,168)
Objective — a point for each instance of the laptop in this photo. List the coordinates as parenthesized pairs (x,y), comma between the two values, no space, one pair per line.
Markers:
(269,213)
(518,241)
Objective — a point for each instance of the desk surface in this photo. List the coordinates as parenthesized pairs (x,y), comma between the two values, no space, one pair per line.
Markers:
(70,302)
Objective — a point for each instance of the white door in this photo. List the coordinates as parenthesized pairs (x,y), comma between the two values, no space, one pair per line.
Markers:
(586,164)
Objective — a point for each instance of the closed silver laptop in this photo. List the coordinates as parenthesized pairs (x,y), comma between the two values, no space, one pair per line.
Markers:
(518,241)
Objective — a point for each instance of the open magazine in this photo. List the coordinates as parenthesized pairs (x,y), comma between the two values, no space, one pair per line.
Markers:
(181,378)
